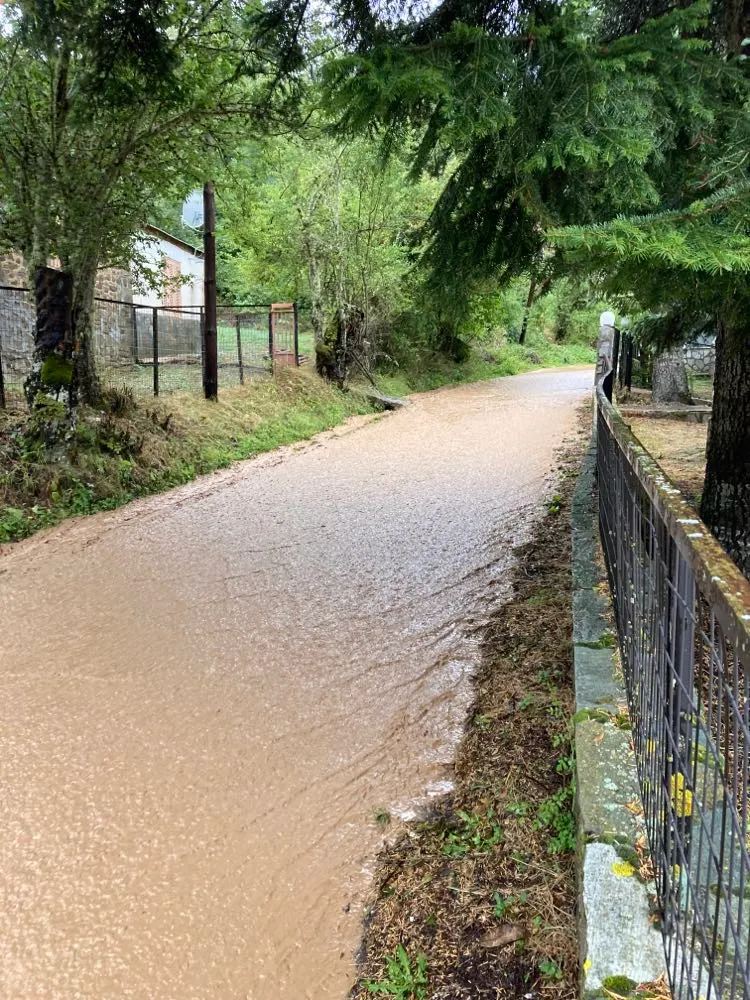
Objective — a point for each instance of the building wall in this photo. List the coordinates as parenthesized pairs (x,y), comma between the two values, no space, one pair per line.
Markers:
(178,262)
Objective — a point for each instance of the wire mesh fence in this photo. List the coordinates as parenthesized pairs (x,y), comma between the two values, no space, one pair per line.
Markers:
(17,320)
(683,612)
(152,350)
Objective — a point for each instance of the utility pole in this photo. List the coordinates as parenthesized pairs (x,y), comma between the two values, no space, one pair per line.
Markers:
(210,335)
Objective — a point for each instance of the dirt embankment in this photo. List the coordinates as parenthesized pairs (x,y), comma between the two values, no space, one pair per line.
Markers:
(480,900)
(53,466)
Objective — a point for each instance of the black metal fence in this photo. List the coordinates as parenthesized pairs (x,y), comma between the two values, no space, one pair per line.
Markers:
(155,349)
(683,617)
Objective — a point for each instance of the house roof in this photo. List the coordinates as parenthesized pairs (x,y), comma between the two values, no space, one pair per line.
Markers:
(162,234)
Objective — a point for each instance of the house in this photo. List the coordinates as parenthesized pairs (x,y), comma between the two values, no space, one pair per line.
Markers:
(183,270)
(122,318)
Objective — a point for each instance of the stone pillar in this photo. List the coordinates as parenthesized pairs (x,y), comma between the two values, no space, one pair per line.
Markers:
(606,353)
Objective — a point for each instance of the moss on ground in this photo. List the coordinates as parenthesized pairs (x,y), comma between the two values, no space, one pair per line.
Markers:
(52,467)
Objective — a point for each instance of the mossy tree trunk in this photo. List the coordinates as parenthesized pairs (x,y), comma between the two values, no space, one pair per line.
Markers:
(52,364)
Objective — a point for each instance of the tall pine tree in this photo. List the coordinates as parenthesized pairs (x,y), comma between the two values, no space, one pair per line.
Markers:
(618,136)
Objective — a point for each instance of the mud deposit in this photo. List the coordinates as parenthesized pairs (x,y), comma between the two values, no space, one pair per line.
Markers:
(206,695)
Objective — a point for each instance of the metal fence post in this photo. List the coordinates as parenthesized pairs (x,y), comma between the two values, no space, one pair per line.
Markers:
(270,338)
(2,381)
(239,352)
(155,340)
(296,334)
(135,334)
(203,344)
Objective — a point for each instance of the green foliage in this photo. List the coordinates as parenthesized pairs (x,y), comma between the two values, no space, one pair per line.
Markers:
(555,814)
(325,222)
(542,126)
(507,905)
(402,981)
(550,969)
(108,107)
(474,834)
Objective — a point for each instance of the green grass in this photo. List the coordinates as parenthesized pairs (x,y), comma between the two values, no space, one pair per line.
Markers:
(51,469)
(510,359)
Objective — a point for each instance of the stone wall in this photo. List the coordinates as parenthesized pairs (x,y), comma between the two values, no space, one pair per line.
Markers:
(700,359)
(111,282)
(112,323)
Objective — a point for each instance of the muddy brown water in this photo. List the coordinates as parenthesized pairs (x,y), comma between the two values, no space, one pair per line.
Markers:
(206,695)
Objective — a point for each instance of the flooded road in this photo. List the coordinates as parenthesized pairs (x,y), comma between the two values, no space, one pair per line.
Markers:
(205,696)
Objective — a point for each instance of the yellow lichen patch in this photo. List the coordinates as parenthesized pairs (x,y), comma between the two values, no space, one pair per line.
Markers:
(682,798)
(623,868)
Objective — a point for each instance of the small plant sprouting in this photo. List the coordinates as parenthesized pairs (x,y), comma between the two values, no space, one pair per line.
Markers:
(555,504)
(503,905)
(556,815)
(402,980)
(526,702)
(477,834)
(482,722)
(517,808)
(550,969)
(382,818)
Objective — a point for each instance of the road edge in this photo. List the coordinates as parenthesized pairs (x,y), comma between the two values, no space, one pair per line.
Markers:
(621,944)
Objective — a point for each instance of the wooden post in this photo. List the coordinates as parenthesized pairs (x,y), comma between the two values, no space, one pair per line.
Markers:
(210,335)
(155,343)
(239,352)
(296,334)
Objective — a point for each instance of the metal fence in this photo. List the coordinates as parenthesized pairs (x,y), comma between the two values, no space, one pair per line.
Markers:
(154,350)
(683,617)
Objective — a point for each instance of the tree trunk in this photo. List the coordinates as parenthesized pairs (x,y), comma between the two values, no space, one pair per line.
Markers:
(52,366)
(725,506)
(86,387)
(669,382)
(527,311)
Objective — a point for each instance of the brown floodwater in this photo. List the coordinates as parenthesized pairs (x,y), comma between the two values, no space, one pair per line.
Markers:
(205,696)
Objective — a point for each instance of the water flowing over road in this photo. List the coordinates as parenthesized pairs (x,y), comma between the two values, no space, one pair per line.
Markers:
(205,696)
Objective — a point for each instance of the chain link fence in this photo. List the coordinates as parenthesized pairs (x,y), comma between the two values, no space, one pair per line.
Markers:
(152,350)
(683,618)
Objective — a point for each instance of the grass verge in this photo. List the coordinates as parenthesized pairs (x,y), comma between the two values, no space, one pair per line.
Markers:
(510,359)
(52,468)
(479,902)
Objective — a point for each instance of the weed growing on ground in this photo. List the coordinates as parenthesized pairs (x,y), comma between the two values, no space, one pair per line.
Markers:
(402,980)
(474,835)
(555,814)
(505,906)
(382,818)
(550,969)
